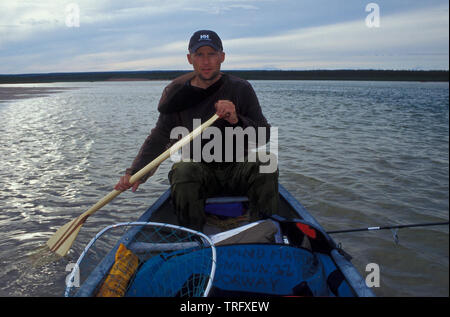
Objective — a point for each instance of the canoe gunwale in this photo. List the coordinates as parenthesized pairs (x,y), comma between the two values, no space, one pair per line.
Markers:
(351,274)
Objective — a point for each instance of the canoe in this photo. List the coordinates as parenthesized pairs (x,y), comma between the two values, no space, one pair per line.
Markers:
(289,254)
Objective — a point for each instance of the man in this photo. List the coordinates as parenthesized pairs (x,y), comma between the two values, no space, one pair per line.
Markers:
(198,95)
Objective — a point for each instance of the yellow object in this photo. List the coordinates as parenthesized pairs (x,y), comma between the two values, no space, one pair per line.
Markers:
(116,282)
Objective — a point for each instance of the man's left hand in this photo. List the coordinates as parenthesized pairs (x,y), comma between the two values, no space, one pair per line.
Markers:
(225,109)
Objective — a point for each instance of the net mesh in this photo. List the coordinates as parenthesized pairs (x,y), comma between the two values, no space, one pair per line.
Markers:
(171,261)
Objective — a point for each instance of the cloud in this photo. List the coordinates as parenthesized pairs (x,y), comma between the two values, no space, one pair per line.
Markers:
(34,37)
(220,8)
(419,33)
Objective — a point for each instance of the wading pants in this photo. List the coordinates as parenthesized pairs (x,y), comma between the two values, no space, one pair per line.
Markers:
(192,183)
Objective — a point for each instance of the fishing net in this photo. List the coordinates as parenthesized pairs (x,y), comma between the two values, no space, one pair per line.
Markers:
(144,259)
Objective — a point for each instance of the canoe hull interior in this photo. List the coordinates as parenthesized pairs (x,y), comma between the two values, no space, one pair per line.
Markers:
(254,269)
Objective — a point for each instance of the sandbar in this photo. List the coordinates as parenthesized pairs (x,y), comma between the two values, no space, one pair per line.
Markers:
(16,93)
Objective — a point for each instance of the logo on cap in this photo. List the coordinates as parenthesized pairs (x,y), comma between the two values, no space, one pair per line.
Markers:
(204,37)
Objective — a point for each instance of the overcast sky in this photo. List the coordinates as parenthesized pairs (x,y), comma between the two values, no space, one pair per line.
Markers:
(116,35)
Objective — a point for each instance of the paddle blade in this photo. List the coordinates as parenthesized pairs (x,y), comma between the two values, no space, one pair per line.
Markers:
(63,238)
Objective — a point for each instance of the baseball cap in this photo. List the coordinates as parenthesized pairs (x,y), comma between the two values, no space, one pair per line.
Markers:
(205,38)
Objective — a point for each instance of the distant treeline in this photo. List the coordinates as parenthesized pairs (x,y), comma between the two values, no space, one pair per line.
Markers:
(369,75)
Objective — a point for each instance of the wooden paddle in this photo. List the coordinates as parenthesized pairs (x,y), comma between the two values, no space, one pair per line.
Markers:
(63,238)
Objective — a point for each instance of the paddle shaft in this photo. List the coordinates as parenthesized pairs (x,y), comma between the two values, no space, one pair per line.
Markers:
(391,227)
(153,164)
(62,240)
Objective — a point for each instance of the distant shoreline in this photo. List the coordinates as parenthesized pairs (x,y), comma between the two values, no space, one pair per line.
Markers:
(362,75)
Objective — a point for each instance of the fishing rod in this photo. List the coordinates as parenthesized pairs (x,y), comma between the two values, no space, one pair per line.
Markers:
(391,227)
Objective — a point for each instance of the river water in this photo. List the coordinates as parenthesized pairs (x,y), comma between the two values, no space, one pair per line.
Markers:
(355,154)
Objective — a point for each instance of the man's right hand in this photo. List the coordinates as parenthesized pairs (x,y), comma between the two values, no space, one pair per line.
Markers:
(124,184)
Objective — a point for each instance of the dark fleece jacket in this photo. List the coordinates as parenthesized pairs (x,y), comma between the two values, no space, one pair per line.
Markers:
(180,103)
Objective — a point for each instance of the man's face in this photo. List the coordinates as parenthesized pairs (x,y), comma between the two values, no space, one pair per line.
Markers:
(206,62)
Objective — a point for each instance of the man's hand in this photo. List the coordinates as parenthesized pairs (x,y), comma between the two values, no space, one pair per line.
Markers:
(124,184)
(225,109)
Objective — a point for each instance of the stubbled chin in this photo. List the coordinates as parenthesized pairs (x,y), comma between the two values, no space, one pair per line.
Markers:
(212,76)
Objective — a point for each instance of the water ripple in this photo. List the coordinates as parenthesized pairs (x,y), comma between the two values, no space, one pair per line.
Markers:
(354,153)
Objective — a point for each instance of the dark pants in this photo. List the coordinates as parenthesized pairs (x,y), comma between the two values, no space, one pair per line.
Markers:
(193,182)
